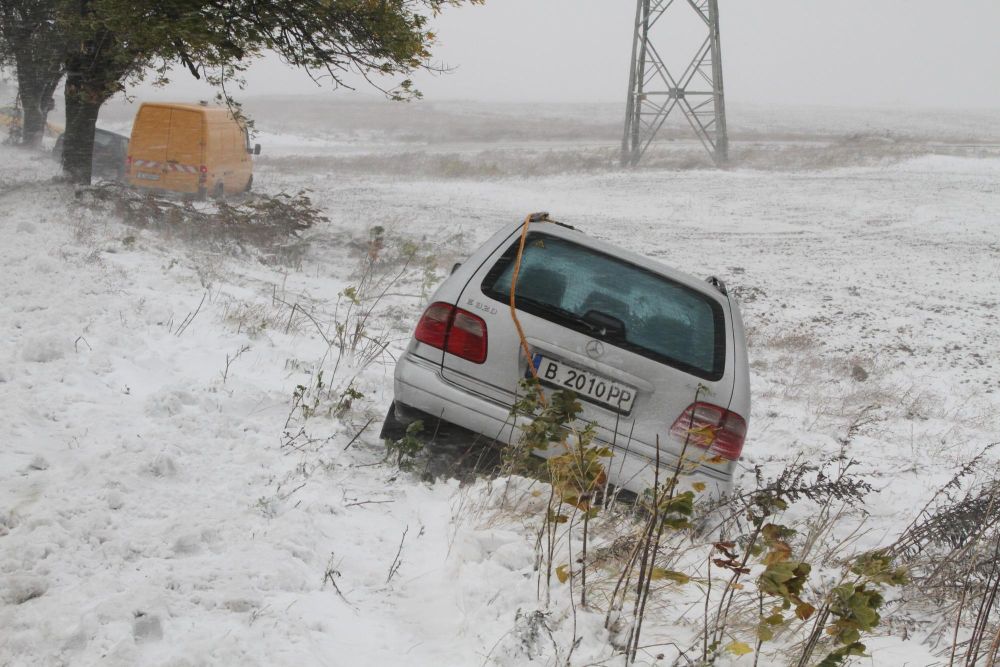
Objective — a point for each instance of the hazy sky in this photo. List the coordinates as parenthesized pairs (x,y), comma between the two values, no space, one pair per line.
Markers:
(896,53)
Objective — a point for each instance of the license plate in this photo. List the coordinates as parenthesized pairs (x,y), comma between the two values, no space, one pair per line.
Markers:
(586,384)
(146,176)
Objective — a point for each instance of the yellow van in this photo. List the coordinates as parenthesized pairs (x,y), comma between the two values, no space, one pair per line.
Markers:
(193,149)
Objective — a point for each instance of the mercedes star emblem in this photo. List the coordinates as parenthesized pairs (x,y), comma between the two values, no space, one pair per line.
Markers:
(595,349)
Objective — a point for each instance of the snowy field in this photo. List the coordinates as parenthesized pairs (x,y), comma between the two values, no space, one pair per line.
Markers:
(164,499)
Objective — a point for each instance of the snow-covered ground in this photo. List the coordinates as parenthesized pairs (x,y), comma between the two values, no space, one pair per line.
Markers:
(162,501)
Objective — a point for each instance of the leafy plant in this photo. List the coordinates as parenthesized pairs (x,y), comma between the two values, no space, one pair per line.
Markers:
(316,399)
(346,401)
(405,449)
(577,474)
(855,607)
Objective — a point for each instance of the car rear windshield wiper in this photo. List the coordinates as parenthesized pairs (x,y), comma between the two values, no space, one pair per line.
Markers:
(610,327)
(548,309)
(594,323)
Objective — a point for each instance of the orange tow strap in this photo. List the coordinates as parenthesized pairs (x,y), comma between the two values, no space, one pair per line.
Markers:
(513,288)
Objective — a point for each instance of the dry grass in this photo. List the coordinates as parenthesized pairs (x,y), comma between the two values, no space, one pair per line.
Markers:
(481,165)
(561,158)
(256,318)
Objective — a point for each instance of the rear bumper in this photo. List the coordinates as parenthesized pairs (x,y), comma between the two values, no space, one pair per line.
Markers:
(421,392)
(420,386)
(189,187)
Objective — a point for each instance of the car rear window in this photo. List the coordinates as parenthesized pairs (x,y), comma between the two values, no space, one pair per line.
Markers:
(584,290)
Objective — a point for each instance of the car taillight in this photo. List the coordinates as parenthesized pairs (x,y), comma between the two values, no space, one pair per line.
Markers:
(467,337)
(433,325)
(453,330)
(711,427)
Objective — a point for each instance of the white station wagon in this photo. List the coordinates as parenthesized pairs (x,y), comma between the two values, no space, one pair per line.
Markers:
(652,353)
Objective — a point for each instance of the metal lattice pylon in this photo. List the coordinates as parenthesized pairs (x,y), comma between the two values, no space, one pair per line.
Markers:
(655,93)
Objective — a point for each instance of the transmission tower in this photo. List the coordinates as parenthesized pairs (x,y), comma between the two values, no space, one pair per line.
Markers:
(654,93)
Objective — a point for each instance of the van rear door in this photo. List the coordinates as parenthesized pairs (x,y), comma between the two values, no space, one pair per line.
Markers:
(184,151)
(150,136)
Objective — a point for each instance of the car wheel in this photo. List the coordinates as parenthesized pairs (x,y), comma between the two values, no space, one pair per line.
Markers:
(219,193)
(249,184)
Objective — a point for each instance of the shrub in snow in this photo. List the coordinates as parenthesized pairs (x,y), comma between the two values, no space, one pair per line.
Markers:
(44,348)
(272,224)
(38,463)
(187,544)
(18,589)
(6,523)
(147,627)
(163,466)
(115,500)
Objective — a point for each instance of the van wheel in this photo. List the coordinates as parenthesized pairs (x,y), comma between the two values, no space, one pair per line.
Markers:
(249,185)
(219,193)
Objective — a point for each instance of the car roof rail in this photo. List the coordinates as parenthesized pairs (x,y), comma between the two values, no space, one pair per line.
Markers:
(543,216)
(717,284)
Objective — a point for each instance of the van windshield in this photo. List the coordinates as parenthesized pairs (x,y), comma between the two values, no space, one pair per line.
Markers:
(608,298)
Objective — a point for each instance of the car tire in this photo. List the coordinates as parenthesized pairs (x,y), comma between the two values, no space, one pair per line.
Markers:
(249,184)
(219,192)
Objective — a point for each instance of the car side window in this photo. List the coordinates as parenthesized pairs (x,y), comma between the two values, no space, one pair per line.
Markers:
(575,286)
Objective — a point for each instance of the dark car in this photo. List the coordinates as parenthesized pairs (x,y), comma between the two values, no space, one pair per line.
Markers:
(110,152)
